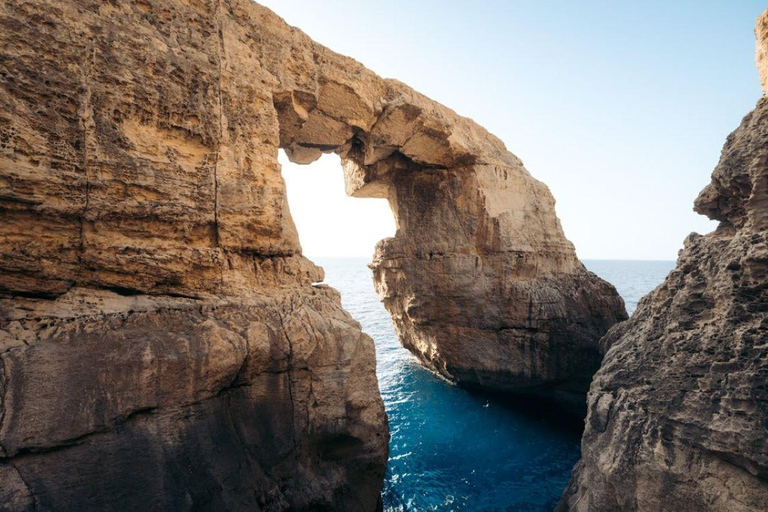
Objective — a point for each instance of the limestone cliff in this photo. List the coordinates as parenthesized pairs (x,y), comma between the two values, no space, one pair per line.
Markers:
(162,341)
(161,344)
(483,286)
(678,412)
(481,283)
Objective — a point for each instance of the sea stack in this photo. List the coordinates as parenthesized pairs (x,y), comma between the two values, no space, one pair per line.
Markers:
(678,413)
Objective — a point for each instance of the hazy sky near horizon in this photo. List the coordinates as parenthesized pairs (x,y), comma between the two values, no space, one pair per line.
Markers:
(621,108)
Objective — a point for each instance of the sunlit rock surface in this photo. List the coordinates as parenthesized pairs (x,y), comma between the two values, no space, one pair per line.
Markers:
(678,413)
(161,341)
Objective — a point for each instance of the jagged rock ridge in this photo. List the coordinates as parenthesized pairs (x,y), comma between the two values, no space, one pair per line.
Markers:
(679,409)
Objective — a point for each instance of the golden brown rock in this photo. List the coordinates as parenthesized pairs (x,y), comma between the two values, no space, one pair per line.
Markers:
(161,340)
(480,280)
(761,49)
(161,343)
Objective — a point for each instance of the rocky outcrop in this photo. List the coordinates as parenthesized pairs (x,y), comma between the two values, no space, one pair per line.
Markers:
(496,299)
(163,342)
(679,410)
(481,283)
(761,49)
(113,402)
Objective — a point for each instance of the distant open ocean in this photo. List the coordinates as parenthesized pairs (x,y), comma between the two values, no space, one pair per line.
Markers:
(452,450)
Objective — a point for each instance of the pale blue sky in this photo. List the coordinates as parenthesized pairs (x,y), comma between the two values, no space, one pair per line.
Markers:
(620,107)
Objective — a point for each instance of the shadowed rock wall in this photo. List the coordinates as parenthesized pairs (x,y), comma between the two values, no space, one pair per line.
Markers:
(679,410)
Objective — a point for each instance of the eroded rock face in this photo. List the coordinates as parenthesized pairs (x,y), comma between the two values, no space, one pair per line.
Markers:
(483,286)
(761,49)
(678,413)
(113,403)
(480,280)
(161,343)
(161,340)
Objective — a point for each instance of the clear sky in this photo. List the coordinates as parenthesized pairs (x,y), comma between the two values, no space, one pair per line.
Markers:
(620,106)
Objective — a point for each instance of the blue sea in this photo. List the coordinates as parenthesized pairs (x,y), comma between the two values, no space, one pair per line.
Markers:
(452,450)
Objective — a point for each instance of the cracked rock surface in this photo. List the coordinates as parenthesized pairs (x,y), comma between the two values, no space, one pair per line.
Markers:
(678,413)
(162,341)
(114,402)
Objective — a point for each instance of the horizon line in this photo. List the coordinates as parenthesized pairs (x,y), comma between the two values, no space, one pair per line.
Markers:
(353,256)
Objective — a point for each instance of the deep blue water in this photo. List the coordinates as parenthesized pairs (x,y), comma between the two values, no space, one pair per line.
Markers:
(452,450)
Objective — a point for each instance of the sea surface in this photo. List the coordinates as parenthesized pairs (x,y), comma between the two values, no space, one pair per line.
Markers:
(452,450)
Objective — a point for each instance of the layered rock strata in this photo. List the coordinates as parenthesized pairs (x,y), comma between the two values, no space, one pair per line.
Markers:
(163,343)
(162,346)
(678,413)
(481,283)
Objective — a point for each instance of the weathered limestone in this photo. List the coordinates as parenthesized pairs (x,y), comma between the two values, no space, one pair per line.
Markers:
(161,340)
(761,49)
(480,280)
(678,411)
(483,286)
(114,402)
(161,343)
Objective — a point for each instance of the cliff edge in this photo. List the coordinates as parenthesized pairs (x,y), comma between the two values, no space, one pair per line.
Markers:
(162,345)
(678,411)
(163,342)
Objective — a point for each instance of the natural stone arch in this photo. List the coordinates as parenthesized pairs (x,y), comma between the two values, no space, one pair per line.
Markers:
(479,278)
(157,312)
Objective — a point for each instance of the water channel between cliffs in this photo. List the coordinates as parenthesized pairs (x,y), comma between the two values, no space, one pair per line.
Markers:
(454,450)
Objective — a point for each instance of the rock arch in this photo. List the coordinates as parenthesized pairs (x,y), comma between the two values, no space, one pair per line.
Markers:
(479,279)
(157,314)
